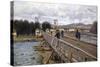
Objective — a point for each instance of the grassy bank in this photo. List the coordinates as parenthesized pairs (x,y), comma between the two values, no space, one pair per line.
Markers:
(26,38)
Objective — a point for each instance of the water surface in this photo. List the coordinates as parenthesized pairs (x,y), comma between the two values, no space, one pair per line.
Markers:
(24,54)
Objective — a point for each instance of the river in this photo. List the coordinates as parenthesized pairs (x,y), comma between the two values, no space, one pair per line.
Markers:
(25,54)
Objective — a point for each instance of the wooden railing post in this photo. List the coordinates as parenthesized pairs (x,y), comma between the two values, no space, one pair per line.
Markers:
(69,55)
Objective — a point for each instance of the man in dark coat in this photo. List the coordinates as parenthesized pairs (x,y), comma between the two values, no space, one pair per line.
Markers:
(77,35)
(62,33)
(57,34)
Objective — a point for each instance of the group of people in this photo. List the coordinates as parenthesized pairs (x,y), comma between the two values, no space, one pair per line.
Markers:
(60,34)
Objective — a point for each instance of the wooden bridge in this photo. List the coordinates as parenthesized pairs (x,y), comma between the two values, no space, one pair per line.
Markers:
(69,52)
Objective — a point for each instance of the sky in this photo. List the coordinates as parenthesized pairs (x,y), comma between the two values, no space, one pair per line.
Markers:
(64,13)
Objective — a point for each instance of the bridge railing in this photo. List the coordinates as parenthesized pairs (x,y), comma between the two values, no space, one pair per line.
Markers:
(67,51)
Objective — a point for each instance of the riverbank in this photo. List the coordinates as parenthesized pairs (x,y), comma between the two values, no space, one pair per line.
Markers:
(42,49)
(24,38)
(45,52)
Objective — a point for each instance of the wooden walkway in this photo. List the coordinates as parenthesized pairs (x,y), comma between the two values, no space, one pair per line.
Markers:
(70,51)
(88,47)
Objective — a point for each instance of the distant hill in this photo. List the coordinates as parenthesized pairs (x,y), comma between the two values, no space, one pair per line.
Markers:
(76,25)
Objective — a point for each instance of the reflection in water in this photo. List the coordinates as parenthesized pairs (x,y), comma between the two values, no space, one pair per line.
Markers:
(24,54)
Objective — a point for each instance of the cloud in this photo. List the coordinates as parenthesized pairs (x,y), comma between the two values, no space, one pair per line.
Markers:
(65,13)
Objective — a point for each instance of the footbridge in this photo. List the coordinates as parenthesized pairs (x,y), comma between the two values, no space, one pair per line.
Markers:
(69,52)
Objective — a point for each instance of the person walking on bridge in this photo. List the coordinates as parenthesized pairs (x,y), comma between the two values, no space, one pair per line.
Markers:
(78,35)
(57,34)
(62,33)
